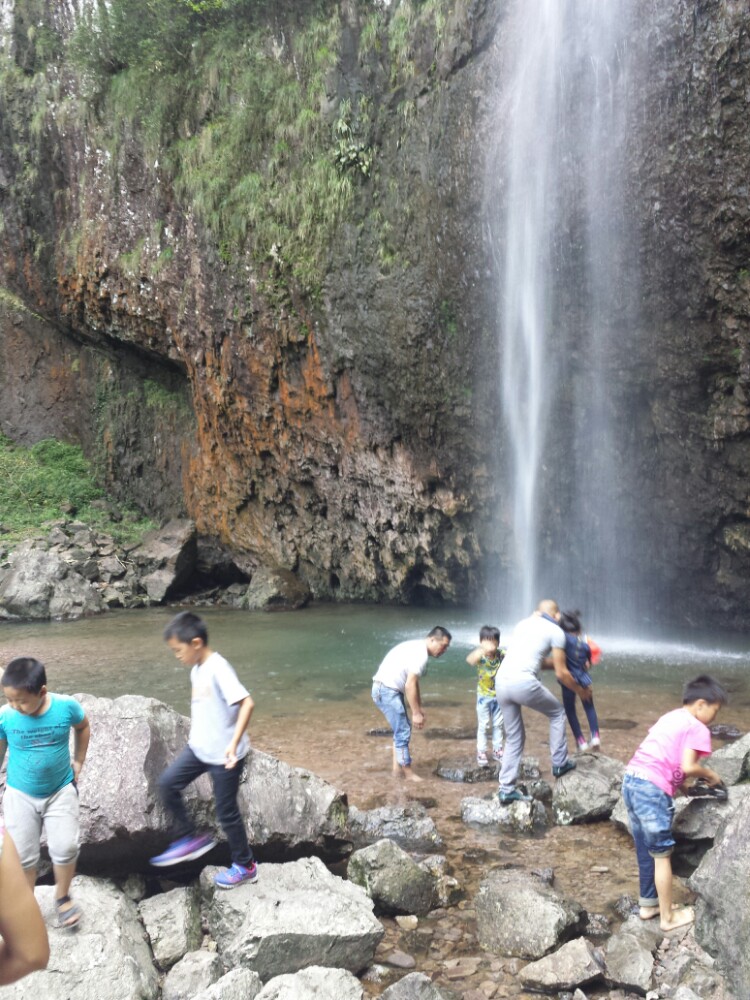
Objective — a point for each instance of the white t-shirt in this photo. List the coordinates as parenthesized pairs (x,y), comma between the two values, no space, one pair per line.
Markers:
(532,641)
(214,708)
(406,658)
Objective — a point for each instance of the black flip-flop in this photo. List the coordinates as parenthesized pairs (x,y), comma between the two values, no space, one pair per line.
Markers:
(700,790)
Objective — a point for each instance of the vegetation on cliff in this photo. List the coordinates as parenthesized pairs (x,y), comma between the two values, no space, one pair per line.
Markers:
(50,480)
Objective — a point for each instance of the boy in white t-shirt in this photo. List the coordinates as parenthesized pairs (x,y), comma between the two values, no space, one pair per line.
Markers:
(397,682)
(670,753)
(220,711)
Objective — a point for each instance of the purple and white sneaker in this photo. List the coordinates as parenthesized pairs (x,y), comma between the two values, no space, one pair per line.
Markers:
(184,849)
(236,875)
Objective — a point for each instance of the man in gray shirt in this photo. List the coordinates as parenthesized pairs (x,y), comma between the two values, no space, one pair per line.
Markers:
(537,642)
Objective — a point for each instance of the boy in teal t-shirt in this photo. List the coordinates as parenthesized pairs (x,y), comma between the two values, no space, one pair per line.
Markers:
(41,780)
(487,659)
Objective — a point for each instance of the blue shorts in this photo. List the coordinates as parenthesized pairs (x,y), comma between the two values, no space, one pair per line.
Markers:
(651,813)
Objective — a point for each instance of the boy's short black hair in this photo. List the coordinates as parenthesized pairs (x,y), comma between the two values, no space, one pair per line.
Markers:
(439,633)
(185,627)
(704,688)
(25,674)
(570,621)
(489,632)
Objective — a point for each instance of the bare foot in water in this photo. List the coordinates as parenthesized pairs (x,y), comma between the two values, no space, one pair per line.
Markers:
(649,912)
(680,918)
(410,775)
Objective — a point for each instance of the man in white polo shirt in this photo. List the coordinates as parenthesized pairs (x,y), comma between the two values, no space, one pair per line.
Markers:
(537,642)
(397,682)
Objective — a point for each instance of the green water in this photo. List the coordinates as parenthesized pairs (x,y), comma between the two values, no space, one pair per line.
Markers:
(292,662)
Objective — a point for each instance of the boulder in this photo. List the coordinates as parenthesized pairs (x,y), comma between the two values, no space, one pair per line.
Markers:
(275,589)
(417,986)
(167,559)
(519,914)
(237,984)
(194,973)
(629,959)
(329,921)
(722,921)
(732,762)
(37,584)
(315,983)
(574,964)
(524,817)
(173,924)
(107,957)
(447,890)
(394,882)
(289,811)
(408,826)
(589,793)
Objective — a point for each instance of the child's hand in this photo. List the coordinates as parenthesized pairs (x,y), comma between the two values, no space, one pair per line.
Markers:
(418,720)
(230,757)
(711,777)
(586,693)
(76,765)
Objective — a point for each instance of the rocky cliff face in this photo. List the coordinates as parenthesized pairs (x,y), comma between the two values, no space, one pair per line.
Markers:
(344,431)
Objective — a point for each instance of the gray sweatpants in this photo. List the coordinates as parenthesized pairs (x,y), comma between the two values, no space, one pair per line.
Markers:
(527,690)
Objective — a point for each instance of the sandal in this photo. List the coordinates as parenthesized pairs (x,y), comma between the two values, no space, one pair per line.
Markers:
(700,790)
(70,918)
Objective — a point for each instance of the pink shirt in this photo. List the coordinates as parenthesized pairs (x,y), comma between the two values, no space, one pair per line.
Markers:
(659,757)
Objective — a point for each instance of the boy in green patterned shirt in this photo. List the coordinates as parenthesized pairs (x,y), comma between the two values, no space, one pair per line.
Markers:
(487,659)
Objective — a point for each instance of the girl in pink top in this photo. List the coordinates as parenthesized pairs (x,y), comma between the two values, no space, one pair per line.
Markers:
(671,752)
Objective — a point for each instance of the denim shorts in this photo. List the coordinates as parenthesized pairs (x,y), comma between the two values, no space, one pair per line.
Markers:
(651,813)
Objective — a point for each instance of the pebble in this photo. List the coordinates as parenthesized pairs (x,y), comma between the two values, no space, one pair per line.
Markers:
(400,960)
(407,923)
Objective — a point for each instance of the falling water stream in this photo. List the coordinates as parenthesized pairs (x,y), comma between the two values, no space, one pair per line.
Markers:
(558,232)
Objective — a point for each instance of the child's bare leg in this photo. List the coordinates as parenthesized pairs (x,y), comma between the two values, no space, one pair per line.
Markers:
(409,774)
(396,765)
(670,918)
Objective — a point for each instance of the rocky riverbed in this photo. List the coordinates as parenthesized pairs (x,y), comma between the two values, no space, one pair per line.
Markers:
(441,938)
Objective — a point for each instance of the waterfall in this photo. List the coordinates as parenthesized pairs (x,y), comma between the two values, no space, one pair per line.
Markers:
(566,278)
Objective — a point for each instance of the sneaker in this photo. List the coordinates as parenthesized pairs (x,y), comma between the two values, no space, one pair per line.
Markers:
(497,754)
(482,758)
(184,849)
(582,744)
(506,798)
(236,875)
(701,790)
(595,741)
(569,765)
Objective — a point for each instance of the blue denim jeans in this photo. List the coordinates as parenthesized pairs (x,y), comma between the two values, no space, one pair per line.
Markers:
(651,812)
(488,713)
(391,703)
(226,783)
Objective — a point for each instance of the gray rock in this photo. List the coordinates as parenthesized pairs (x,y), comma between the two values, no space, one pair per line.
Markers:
(447,890)
(518,914)
(394,882)
(173,924)
(589,793)
(629,963)
(685,993)
(732,762)
(275,589)
(291,812)
(574,964)
(167,559)
(417,986)
(192,974)
(466,770)
(107,957)
(408,826)
(314,983)
(38,584)
(329,920)
(288,811)
(722,926)
(525,817)
(237,984)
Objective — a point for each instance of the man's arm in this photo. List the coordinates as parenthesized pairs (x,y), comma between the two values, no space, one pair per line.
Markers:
(81,734)
(474,657)
(414,698)
(243,720)
(692,768)
(560,666)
